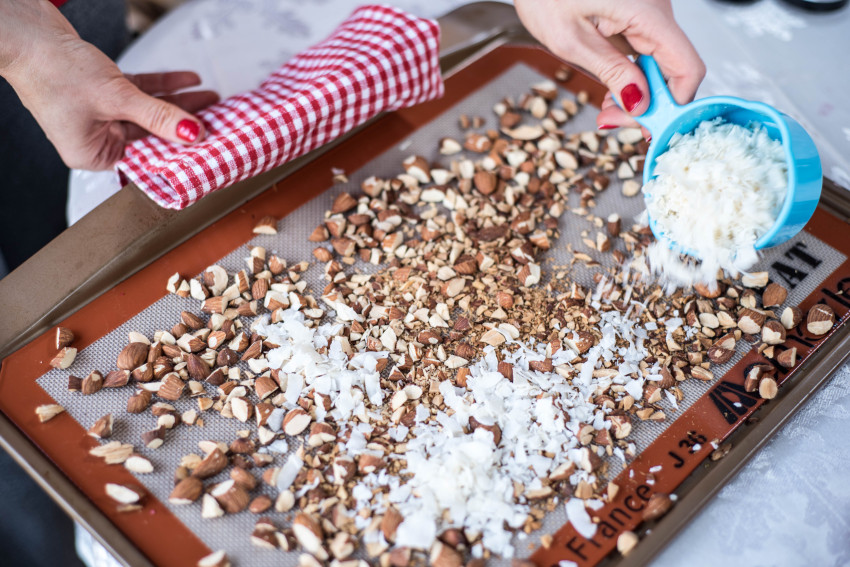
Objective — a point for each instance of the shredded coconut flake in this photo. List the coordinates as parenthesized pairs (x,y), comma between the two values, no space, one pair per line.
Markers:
(716,191)
(538,415)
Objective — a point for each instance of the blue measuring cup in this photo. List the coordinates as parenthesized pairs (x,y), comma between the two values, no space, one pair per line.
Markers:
(664,118)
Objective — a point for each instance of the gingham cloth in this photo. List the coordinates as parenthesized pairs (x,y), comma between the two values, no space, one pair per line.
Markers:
(379,59)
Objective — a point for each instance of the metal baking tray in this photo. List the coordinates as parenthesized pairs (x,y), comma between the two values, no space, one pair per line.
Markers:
(140,245)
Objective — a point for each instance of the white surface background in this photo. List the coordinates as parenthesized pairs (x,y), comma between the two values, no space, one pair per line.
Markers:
(790,505)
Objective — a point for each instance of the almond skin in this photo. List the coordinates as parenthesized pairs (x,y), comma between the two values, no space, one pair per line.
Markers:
(187,490)
(657,506)
(820,319)
(211,465)
(64,337)
(133,356)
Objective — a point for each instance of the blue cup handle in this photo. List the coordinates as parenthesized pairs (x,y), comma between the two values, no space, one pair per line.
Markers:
(662,110)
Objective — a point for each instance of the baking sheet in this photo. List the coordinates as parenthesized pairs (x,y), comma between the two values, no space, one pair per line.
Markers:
(292,244)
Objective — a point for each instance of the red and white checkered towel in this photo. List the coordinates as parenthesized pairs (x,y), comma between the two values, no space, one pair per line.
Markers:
(379,59)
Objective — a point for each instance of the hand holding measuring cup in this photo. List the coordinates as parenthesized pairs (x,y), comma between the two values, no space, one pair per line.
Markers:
(582,32)
(665,119)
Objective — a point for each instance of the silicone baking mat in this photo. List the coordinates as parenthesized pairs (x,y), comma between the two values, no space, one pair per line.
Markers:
(813,266)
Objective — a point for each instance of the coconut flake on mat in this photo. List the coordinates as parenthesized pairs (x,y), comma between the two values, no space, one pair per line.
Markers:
(456,476)
(579,518)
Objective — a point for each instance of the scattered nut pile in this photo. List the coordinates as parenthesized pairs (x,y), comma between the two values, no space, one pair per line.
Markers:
(445,402)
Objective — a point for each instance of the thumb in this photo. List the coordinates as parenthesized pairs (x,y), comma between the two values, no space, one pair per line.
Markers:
(623,78)
(161,118)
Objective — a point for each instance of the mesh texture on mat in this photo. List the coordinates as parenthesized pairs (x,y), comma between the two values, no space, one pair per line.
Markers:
(231,532)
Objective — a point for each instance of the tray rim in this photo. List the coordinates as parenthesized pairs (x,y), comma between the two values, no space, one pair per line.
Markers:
(836,200)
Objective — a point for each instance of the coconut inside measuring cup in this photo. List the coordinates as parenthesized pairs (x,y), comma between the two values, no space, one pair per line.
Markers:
(716,190)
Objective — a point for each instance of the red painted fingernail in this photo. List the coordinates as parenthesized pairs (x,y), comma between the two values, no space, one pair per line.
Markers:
(631,96)
(606,127)
(188,130)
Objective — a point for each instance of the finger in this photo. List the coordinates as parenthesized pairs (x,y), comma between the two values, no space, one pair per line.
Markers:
(680,64)
(192,101)
(159,117)
(656,33)
(164,83)
(622,77)
(615,117)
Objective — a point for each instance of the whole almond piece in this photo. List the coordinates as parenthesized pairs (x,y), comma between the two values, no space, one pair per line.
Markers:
(296,421)
(260,504)
(187,491)
(343,203)
(124,494)
(755,279)
(774,295)
(614,225)
(47,412)
(196,367)
(787,358)
(791,317)
(308,532)
(773,333)
(64,337)
(626,541)
(266,225)
(102,428)
(139,402)
(750,321)
(485,182)
(92,383)
(138,464)
(230,496)
(133,356)
(215,462)
(768,388)
(820,319)
(116,379)
(215,559)
(658,505)
(444,556)
(64,358)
